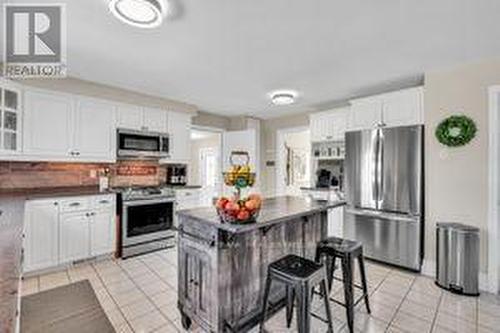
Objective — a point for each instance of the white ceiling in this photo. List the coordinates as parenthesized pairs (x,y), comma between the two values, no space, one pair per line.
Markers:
(226,55)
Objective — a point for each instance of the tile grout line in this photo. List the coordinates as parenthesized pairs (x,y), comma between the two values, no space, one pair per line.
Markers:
(400,304)
(110,295)
(437,311)
(154,272)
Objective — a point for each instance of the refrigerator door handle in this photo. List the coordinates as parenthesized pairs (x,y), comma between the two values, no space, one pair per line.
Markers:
(383,215)
(375,152)
(380,173)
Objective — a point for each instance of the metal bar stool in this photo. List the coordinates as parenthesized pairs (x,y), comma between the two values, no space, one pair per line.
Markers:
(300,276)
(347,251)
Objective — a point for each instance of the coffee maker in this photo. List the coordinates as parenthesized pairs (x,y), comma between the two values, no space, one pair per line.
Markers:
(176,174)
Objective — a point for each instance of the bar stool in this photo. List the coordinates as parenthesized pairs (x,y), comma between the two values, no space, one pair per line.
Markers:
(347,251)
(300,276)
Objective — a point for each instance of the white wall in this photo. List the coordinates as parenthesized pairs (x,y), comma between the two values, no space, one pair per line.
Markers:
(457,178)
(196,146)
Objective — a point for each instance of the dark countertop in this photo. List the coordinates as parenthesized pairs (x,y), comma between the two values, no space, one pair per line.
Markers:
(11,227)
(48,192)
(326,189)
(184,187)
(274,210)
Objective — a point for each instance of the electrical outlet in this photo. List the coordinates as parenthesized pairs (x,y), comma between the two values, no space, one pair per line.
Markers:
(93,173)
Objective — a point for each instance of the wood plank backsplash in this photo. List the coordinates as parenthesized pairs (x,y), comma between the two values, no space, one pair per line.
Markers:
(26,175)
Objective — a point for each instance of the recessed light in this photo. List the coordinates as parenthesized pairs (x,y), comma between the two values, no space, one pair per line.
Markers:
(139,13)
(283,97)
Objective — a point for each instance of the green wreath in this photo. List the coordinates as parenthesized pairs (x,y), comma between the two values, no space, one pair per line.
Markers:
(456,131)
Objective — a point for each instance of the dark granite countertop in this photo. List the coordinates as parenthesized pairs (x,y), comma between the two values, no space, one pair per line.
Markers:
(274,210)
(11,227)
(184,187)
(313,188)
(48,192)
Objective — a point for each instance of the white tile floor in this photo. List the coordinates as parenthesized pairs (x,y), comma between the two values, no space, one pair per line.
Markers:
(139,295)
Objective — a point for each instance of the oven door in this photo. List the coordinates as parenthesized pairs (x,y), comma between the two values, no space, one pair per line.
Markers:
(147,220)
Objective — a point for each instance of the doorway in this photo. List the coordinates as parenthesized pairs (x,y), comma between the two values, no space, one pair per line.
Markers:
(494,191)
(293,160)
(205,167)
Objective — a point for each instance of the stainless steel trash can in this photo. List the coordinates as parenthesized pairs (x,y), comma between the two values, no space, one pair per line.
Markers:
(457,264)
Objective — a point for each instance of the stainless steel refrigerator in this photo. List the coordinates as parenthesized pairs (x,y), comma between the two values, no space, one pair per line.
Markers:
(384,193)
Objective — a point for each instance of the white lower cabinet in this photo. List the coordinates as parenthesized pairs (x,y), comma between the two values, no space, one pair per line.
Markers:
(74,240)
(336,222)
(41,234)
(63,230)
(102,232)
(188,198)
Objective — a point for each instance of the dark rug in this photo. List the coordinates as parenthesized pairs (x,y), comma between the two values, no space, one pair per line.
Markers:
(73,308)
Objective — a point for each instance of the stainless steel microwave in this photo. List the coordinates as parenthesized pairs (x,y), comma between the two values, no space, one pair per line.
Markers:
(142,144)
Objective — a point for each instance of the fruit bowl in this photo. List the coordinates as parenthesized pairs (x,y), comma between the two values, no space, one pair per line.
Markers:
(231,218)
(237,210)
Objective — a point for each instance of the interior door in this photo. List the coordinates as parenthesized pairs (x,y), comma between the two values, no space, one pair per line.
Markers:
(361,168)
(401,170)
(245,140)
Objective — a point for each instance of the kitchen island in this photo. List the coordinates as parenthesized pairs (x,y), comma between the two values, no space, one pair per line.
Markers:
(222,267)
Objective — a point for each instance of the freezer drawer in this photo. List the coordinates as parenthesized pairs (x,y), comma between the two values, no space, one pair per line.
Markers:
(390,238)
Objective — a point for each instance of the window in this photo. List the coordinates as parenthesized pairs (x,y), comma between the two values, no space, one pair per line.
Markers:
(9,118)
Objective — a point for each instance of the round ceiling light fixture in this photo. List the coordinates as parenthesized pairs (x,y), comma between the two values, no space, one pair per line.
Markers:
(283,97)
(139,13)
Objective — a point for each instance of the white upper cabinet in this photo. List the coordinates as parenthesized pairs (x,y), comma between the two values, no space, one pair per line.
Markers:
(403,108)
(155,120)
(399,108)
(95,134)
(48,124)
(366,113)
(129,117)
(10,118)
(179,126)
(63,127)
(329,125)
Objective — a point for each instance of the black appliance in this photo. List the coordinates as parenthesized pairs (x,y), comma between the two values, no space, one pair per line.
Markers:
(176,174)
(323,178)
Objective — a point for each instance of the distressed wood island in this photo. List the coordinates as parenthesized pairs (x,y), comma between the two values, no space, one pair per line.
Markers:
(222,267)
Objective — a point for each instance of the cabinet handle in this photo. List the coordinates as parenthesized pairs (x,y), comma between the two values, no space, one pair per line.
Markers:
(74,204)
(104,202)
(56,204)
(77,153)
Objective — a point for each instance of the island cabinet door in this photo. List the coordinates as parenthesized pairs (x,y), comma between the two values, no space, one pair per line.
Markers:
(196,282)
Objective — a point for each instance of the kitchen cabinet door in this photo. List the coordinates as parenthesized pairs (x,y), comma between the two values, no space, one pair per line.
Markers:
(179,130)
(336,222)
(74,237)
(403,108)
(10,119)
(95,132)
(155,120)
(102,232)
(48,125)
(129,117)
(41,234)
(365,113)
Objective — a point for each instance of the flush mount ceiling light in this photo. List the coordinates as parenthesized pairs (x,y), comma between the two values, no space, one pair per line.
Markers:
(283,97)
(139,13)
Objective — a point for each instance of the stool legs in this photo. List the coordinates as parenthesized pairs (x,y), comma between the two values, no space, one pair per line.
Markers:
(264,305)
(348,291)
(326,300)
(290,296)
(303,304)
(361,262)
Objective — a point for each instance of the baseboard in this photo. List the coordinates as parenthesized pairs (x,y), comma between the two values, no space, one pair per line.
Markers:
(429,269)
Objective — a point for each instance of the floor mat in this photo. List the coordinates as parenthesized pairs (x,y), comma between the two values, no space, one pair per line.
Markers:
(73,308)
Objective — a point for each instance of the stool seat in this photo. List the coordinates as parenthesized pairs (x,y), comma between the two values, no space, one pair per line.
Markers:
(295,267)
(339,246)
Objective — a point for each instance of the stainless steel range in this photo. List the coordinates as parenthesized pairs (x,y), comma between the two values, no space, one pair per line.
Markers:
(148,219)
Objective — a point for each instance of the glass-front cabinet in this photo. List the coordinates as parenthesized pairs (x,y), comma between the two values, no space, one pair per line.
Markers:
(10,119)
